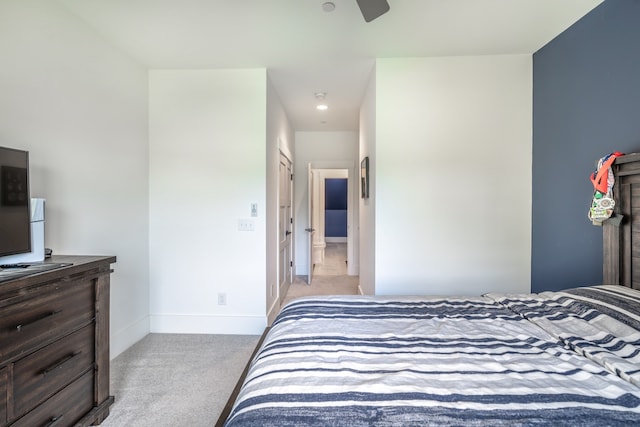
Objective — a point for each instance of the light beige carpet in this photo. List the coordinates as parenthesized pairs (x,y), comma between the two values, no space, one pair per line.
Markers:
(185,380)
(176,379)
(330,277)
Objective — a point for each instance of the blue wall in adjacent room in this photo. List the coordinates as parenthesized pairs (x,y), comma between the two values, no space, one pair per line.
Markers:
(586,91)
(335,214)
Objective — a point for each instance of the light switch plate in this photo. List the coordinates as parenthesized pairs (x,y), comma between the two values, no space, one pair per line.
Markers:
(246,225)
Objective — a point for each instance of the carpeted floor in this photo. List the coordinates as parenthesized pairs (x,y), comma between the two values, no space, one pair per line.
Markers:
(177,380)
(330,277)
(322,285)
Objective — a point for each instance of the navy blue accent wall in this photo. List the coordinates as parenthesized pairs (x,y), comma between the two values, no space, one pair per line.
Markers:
(335,205)
(586,103)
(335,191)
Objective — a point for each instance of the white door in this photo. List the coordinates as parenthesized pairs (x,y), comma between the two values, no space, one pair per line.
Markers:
(310,230)
(285,225)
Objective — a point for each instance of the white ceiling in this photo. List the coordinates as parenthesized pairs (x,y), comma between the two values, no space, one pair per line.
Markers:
(307,50)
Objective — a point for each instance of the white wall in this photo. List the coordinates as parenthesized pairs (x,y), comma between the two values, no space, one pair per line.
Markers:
(280,137)
(453,175)
(325,150)
(207,166)
(367,148)
(80,107)
(449,140)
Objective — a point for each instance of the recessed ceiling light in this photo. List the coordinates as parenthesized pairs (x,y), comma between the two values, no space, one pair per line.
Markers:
(328,6)
(322,107)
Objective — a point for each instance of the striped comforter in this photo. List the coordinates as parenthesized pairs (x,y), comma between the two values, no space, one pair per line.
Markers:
(535,359)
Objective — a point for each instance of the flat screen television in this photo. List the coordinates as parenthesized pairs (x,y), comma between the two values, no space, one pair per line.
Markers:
(15,213)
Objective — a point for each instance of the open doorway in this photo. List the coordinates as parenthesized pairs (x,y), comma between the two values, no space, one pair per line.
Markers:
(315,247)
(334,260)
(338,217)
(323,151)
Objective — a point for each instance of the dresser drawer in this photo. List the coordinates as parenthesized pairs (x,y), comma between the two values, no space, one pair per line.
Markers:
(43,373)
(63,409)
(49,312)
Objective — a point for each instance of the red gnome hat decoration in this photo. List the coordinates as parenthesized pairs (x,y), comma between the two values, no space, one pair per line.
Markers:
(603,180)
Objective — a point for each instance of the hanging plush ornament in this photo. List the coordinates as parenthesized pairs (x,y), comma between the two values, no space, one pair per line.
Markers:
(602,204)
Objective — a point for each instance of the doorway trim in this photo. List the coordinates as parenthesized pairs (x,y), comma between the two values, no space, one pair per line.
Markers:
(285,226)
(352,232)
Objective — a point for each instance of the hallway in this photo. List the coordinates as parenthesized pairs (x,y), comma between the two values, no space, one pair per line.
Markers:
(329,278)
(335,261)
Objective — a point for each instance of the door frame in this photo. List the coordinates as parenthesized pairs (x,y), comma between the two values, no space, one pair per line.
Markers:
(291,225)
(352,186)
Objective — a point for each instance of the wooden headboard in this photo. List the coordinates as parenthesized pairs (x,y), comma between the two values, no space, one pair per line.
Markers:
(621,239)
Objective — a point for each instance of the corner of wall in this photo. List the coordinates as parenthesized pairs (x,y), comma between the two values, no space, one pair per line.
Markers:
(128,336)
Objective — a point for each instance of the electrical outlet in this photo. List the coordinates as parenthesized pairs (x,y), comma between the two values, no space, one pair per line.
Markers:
(246,225)
(222,299)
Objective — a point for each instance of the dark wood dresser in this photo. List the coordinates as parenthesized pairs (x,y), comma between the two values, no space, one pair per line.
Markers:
(54,343)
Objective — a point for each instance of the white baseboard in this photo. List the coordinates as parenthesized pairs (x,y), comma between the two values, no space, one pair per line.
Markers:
(124,338)
(207,324)
(335,239)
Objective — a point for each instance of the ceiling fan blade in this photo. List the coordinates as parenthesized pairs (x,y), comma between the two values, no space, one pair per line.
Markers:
(371,9)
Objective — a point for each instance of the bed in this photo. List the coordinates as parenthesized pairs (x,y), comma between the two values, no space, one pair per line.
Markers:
(553,358)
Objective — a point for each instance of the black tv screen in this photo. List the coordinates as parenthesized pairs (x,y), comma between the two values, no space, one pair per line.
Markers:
(15,214)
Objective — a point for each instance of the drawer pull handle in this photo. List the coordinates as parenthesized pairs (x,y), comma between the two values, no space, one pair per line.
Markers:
(54,421)
(60,363)
(46,316)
